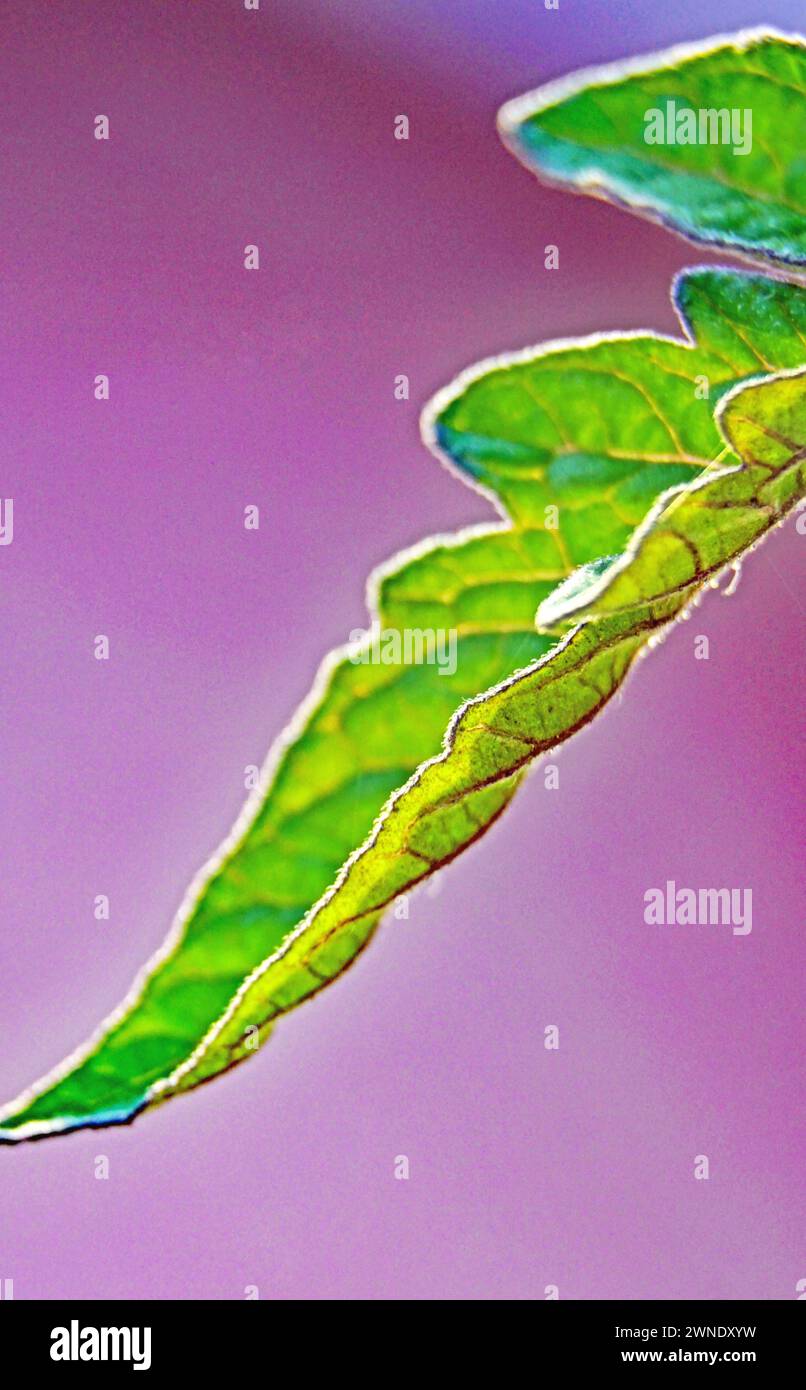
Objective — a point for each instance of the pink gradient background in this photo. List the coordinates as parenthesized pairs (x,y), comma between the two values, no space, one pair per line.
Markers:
(528,1167)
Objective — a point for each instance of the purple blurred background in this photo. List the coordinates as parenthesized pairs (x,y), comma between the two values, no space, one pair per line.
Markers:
(528,1167)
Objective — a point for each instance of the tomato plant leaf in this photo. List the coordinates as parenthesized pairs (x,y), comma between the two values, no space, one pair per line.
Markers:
(709,139)
(365,795)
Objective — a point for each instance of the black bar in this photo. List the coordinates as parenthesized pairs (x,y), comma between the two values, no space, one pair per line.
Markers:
(244,1338)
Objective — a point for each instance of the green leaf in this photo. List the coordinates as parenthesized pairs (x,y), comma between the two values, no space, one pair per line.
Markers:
(491,742)
(693,532)
(616,132)
(598,430)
